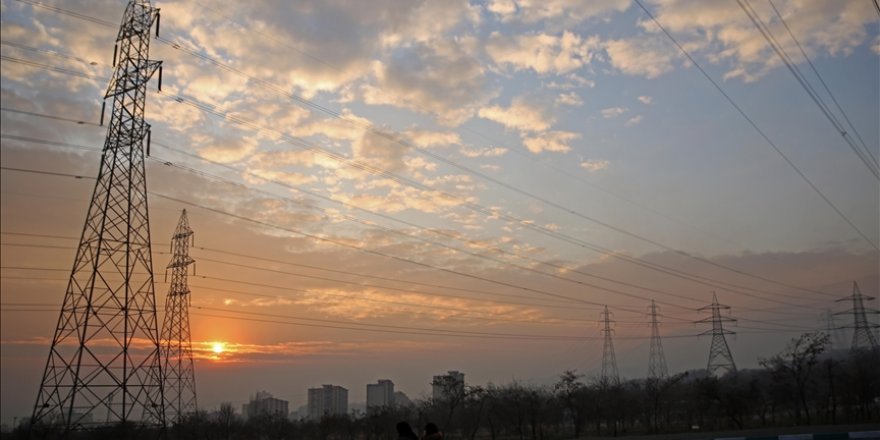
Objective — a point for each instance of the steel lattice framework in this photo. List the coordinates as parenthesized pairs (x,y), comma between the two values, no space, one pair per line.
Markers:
(178,371)
(657,360)
(104,362)
(863,330)
(719,352)
(609,360)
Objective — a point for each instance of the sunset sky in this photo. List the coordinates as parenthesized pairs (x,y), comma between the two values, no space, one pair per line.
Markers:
(393,189)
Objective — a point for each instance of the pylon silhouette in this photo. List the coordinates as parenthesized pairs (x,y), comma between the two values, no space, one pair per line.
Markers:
(609,360)
(104,362)
(657,360)
(719,352)
(178,372)
(863,330)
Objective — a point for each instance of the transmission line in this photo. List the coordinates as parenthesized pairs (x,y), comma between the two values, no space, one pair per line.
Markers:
(483,210)
(866,158)
(756,128)
(502,262)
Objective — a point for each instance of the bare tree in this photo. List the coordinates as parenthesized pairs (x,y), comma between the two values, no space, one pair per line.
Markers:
(796,363)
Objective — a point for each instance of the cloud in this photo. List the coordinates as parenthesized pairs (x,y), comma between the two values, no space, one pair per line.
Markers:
(420,22)
(723,32)
(427,138)
(224,149)
(543,53)
(381,149)
(520,115)
(483,152)
(573,11)
(442,80)
(555,141)
(613,112)
(633,120)
(594,165)
(571,98)
(644,99)
(642,56)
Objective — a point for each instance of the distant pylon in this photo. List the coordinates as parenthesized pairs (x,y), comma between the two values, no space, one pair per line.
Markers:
(863,330)
(719,351)
(178,373)
(609,361)
(104,361)
(657,360)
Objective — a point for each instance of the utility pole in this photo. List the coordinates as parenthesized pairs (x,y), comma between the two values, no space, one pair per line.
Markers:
(609,361)
(719,352)
(657,360)
(178,373)
(863,330)
(104,362)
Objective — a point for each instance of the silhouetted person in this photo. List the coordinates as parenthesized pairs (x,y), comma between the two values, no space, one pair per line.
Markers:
(405,432)
(432,433)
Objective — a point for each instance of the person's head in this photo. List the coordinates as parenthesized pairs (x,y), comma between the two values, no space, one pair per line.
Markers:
(403,429)
(431,428)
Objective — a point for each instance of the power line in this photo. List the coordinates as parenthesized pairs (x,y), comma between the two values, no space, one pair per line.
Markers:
(506,217)
(868,160)
(756,128)
(825,85)
(374,170)
(368,168)
(343,244)
(478,255)
(617,291)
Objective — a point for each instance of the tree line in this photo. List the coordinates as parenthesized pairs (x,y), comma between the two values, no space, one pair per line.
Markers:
(802,385)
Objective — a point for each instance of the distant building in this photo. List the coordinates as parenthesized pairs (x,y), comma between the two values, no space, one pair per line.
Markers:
(263,404)
(401,399)
(380,395)
(448,386)
(329,400)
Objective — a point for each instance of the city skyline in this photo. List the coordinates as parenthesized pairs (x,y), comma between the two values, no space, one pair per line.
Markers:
(459,186)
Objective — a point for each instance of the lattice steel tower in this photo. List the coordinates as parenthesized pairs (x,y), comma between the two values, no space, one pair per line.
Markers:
(657,360)
(609,360)
(178,373)
(104,362)
(719,351)
(863,330)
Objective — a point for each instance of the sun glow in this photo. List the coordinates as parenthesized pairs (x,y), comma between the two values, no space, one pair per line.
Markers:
(218,347)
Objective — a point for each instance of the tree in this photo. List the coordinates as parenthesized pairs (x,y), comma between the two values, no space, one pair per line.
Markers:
(569,390)
(796,363)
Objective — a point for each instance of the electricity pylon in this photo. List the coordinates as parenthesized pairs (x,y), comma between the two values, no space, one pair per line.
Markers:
(863,330)
(104,362)
(719,352)
(178,373)
(657,360)
(609,361)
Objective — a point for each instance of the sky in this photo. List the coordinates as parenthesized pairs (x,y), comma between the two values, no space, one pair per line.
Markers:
(391,189)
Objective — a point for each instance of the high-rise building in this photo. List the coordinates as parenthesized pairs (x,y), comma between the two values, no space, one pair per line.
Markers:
(263,404)
(329,400)
(380,394)
(448,386)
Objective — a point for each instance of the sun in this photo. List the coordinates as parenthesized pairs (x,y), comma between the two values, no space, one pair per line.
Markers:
(218,347)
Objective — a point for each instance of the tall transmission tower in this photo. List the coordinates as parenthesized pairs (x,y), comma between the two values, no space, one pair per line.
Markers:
(609,360)
(719,352)
(104,362)
(657,360)
(178,373)
(863,330)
